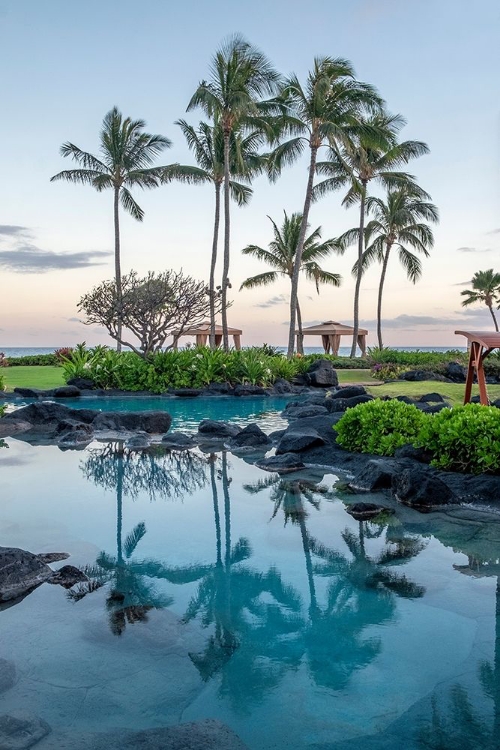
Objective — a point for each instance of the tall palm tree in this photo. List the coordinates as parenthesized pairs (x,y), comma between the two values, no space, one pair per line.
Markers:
(126,157)
(485,288)
(207,144)
(326,112)
(240,75)
(375,156)
(281,255)
(397,223)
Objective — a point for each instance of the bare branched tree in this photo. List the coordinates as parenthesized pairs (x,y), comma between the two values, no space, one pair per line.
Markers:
(152,308)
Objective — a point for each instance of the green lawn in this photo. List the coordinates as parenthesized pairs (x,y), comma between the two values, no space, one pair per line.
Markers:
(32,377)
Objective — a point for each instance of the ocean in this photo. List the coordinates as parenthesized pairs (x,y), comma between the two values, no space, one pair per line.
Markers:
(344,351)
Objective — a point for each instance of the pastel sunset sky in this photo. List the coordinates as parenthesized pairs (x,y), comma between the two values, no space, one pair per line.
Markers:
(65,64)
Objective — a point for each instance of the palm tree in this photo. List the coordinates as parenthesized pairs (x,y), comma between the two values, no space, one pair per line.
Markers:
(485,288)
(207,144)
(281,255)
(126,160)
(326,112)
(396,224)
(373,157)
(240,75)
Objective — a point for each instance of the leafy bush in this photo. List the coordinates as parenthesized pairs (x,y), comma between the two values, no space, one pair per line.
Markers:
(2,383)
(422,360)
(64,352)
(464,438)
(34,360)
(379,426)
(387,371)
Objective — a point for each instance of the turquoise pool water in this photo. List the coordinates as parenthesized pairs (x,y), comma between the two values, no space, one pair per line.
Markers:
(221,591)
(187,413)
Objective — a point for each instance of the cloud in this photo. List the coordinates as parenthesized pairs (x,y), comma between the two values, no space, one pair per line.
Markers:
(279,299)
(494,231)
(31,259)
(74,320)
(13,230)
(409,322)
(473,250)
(462,283)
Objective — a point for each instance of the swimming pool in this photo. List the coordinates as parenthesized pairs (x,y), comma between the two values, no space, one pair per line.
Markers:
(221,591)
(187,413)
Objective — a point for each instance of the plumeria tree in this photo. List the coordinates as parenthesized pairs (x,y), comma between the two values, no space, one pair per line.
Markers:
(126,160)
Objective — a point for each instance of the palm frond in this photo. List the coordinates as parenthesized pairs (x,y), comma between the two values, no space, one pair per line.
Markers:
(133,539)
(262,279)
(130,205)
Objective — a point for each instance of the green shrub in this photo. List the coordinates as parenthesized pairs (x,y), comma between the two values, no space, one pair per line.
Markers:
(387,371)
(2,412)
(464,438)
(379,426)
(2,383)
(417,359)
(35,360)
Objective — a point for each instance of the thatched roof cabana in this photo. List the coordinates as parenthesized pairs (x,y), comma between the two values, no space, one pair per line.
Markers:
(330,333)
(202,334)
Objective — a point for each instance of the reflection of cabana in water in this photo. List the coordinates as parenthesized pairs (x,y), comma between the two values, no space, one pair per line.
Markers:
(330,333)
(202,333)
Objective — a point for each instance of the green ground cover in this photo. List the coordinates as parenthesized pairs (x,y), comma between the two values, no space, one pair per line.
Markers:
(32,377)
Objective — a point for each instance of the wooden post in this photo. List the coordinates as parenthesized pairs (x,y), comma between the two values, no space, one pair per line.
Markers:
(237,341)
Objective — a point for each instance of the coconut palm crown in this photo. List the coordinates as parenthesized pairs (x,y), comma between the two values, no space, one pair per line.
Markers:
(280,255)
(240,76)
(367,159)
(400,221)
(486,289)
(126,160)
(327,111)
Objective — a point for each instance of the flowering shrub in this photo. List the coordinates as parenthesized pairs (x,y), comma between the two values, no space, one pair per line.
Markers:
(63,353)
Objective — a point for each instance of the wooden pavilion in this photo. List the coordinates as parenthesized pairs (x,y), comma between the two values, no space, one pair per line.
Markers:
(330,333)
(202,334)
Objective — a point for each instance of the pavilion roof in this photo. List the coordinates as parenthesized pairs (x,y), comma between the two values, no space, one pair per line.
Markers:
(204,328)
(331,328)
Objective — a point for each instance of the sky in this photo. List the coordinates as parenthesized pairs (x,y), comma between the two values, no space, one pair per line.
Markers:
(65,64)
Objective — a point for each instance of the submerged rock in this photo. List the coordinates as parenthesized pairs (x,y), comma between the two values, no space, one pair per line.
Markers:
(367,511)
(283,464)
(20,572)
(178,441)
(212,428)
(67,576)
(7,675)
(20,730)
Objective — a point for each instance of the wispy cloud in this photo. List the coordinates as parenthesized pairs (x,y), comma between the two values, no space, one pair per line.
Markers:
(410,322)
(14,231)
(74,320)
(494,231)
(32,259)
(462,283)
(279,299)
(474,250)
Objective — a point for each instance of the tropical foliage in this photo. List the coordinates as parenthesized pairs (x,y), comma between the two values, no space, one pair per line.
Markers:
(281,257)
(486,289)
(126,160)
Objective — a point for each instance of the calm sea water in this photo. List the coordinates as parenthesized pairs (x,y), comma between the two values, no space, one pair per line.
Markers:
(221,591)
(344,351)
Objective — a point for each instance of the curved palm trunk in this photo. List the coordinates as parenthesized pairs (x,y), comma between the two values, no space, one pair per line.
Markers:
(225,269)
(298,253)
(300,338)
(493,316)
(380,293)
(118,270)
(360,270)
(211,289)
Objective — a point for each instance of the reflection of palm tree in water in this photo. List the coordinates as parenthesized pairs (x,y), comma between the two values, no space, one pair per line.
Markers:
(251,613)
(132,595)
(359,590)
(460,725)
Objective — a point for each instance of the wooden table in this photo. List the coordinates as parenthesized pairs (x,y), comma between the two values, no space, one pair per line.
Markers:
(481,344)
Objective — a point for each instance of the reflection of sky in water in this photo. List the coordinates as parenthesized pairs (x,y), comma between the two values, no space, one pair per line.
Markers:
(277,612)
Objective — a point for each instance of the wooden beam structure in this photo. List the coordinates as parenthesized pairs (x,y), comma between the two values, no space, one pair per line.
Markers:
(480,343)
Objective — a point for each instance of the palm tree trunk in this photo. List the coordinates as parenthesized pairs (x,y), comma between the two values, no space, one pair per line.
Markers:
(300,340)
(225,268)
(493,316)
(227,551)
(213,262)
(380,292)
(218,538)
(119,507)
(118,270)
(298,253)
(360,269)
(313,606)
